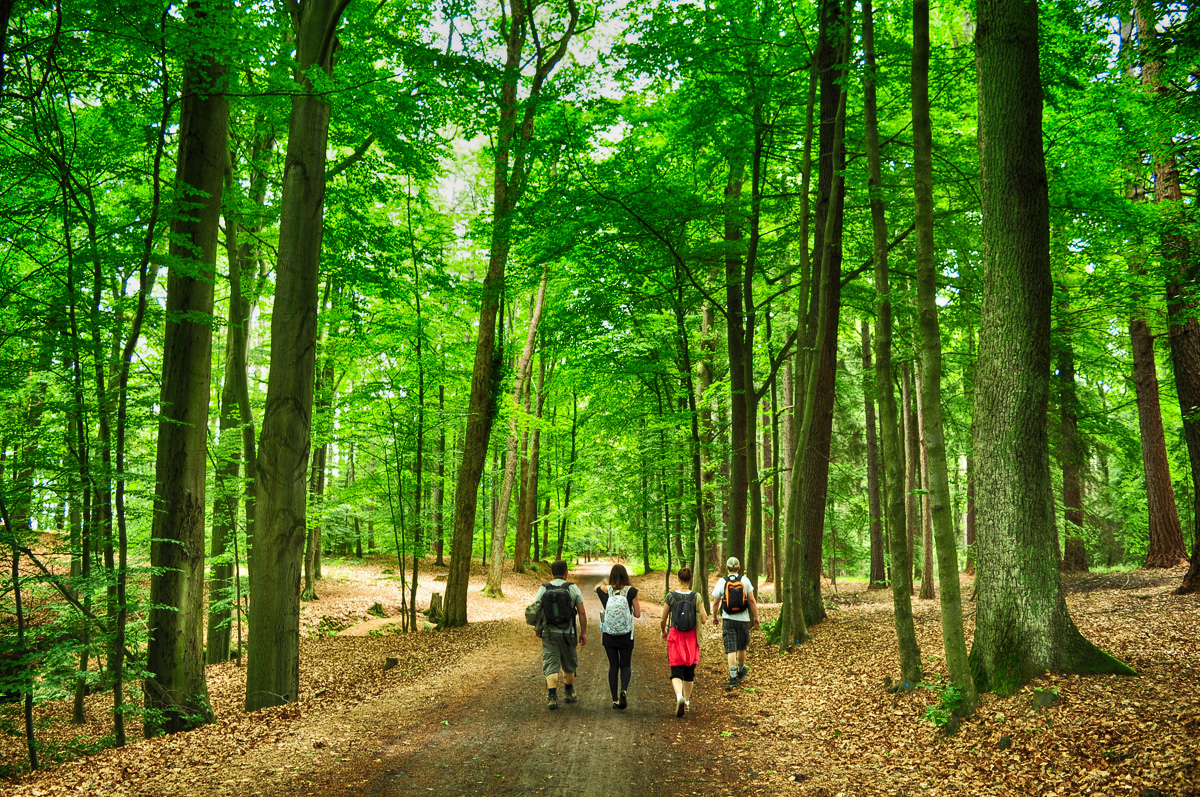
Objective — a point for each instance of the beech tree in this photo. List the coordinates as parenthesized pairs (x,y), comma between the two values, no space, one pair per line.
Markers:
(1022,624)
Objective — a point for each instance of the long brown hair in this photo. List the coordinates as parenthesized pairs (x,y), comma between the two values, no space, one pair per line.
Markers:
(618,577)
(685,575)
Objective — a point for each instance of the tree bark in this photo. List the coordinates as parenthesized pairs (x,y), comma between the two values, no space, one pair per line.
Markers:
(831,194)
(890,437)
(1070,448)
(926,509)
(1022,627)
(878,576)
(515,134)
(529,493)
(1165,548)
(273,672)
(930,398)
(520,394)
(912,467)
(176,693)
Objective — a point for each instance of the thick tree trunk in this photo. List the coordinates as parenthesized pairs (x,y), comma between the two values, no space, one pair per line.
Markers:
(177,694)
(930,384)
(1022,626)
(893,456)
(273,672)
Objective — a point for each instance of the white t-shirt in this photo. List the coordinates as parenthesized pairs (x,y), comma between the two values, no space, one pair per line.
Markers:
(719,593)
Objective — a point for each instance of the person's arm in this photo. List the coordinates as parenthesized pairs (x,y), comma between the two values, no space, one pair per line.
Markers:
(582,624)
(717,596)
(666,613)
(700,609)
(753,609)
(537,629)
(637,607)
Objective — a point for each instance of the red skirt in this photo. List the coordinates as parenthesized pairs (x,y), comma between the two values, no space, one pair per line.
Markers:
(682,649)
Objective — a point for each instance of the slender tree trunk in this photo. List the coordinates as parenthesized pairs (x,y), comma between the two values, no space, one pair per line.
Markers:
(1166,537)
(520,393)
(515,135)
(926,510)
(912,468)
(735,532)
(878,578)
(930,384)
(1022,625)
(1070,448)
(530,492)
(273,674)
(1183,329)
(439,488)
(890,436)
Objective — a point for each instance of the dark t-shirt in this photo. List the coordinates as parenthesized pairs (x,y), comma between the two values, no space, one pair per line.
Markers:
(617,640)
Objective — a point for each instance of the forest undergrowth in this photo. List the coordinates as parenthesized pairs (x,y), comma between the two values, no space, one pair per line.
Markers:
(817,722)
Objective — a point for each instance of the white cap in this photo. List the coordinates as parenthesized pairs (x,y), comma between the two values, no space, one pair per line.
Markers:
(732,563)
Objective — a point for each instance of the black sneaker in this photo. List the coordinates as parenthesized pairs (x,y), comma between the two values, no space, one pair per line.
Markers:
(571,696)
(743,671)
(679,706)
(622,703)
(552,703)
(733,682)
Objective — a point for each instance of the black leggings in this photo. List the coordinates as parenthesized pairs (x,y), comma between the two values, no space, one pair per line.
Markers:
(618,658)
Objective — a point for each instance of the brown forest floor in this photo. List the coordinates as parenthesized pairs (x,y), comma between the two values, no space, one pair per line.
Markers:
(463,712)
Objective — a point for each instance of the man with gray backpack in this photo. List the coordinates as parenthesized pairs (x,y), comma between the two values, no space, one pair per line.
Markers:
(739,613)
(554,609)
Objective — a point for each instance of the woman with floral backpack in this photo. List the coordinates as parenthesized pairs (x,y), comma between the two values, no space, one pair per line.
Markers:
(683,613)
(619,606)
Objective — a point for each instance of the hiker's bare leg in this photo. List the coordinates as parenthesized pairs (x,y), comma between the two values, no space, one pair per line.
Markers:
(569,678)
(552,681)
(687,691)
(679,687)
(741,657)
(735,658)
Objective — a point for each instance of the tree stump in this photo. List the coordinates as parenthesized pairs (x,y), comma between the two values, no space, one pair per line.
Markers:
(435,607)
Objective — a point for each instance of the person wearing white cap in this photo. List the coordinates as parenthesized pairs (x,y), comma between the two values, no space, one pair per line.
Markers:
(739,613)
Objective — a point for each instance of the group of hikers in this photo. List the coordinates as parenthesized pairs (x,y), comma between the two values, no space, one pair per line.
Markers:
(560,621)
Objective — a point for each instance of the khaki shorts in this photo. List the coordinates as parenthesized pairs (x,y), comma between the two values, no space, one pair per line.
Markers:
(559,652)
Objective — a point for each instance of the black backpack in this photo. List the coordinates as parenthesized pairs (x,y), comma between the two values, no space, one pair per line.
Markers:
(557,606)
(683,612)
(735,595)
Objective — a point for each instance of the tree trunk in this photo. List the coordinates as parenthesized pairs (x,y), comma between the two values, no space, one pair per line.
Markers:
(878,578)
(912,467)
(831,194)
(515,134)
(439,488)
(1070,448)
(273,673)
(1183,329)
(529,493)
(926,509)
(735,531)
(1022,626)
(930,384)
(1166,537)
(176,694)
(893,456)
(520,393)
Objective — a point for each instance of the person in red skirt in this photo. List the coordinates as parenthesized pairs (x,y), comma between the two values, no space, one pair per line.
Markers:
(681,619)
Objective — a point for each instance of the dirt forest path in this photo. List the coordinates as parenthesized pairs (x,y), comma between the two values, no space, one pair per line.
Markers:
(489,732)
